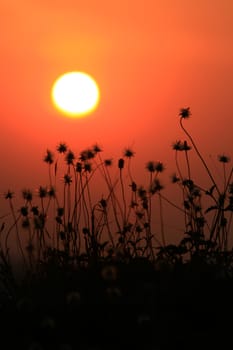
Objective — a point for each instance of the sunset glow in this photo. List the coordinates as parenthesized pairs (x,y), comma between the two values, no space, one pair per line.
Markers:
(149,59)
(75,94)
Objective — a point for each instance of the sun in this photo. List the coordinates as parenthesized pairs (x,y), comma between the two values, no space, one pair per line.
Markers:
(75,94)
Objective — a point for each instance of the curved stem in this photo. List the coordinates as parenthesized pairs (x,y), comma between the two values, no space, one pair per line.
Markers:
(199,155)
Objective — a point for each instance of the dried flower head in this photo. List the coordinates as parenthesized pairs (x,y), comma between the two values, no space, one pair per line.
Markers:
(121,163)
(96,148)
(86,155)
(49,158)
(108,162)
(186,147)
(24,211)
(9,194)
(35,210)
(174,178)
(69,158)
(185,113)
(156,186)
(52,192)
(177,146)
(159,167)
(78,167)
(42,192)
(62,147)
(181,146)
(67,179)
(87,167)
(27,195)
(128,153)
(223,159)
(150,166)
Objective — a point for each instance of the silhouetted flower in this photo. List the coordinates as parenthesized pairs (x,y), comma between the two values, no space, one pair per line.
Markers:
(39,221)
(79,167)
(156,186)
(62,147)
(185,113)
(174,178)
(134,186)
(35,210)
(9,194)
(121,163)
(139,214)
(108,162)
(181,146)
(86,154)
(69,158)
(49,158)
(150,166)
(128,153)
(27,195)
(186,147)
(67,179)
(223,159)
(141,192)
(177,146)
(87,167)
(103,203)
(96,148)
(51,192)
(145,203)
(24,211)
(188,183)
(159,167)
(60,211)
(42,192)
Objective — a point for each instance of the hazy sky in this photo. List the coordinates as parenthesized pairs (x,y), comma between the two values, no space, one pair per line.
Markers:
(150,58)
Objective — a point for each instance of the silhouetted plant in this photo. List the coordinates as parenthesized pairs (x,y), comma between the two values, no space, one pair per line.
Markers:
(71,222)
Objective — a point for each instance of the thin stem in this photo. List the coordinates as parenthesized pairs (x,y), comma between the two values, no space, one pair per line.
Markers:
(199,154)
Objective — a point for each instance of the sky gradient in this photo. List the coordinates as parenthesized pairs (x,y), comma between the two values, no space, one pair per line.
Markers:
(150,58)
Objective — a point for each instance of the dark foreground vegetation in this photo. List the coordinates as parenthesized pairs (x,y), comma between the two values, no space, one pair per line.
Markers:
(94,273)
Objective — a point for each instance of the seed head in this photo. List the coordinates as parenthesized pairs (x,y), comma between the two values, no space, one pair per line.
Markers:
(185,113)
(121,163)
(9,194)
(150,166)
(223,159)
(86,155)
(27,195)
(49,158)
(69,158)
(62,147)
(42,192)
(159,167)
(108,162)
(128,153)
(96,148)
(87,167)
(67,179)
(79,167)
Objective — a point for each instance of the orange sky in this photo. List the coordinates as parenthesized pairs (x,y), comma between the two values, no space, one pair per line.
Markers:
(150,58)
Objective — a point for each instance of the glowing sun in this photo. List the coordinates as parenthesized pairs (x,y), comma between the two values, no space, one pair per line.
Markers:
(75,94)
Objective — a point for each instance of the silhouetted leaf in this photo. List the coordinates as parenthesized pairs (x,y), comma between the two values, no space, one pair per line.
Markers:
(213,207)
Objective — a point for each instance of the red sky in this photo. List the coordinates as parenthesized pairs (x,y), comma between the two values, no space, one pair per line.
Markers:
(150,58)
